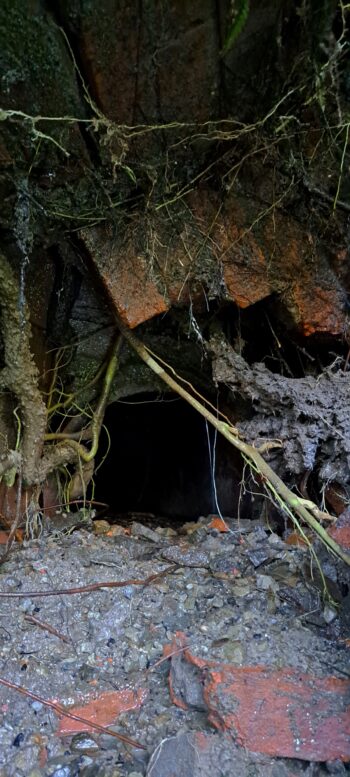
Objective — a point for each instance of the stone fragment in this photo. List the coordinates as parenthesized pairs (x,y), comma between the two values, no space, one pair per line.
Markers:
(186,556)
(198,754)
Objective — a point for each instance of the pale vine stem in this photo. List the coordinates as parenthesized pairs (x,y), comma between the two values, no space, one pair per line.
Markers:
(294,505)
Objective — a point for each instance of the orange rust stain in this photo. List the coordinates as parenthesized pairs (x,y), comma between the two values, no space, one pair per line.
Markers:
(103,709)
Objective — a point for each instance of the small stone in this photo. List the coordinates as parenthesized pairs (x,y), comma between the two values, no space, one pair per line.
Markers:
(26,605)
(217,602)
(166,531)
(186,556)
(274,540)
(264,582)
(189,603)
(241,588)
(84,744)
(190,527)
(233,652)
(258,535)
(128,591)
(85,647)
(101,527)
(262,647)
(139,530)
(329,614)
(132,633)
(37,706)
(12,583)
(115,530)
(258,556)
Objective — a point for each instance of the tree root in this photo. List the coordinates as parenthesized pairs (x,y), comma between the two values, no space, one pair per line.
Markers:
(39,452)
(20,374)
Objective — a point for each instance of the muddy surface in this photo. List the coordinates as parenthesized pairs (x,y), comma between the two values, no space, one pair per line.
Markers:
(239,598)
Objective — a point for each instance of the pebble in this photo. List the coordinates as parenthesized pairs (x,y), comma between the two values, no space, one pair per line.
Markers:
(12,583)
(101,527)
(258,556)
(266,583)
(232,652)
(139,530)
(329,614)
(189,603)
(217,602)
(26,605)
(166,532)
(37,706)
(240,588)
(189,557)
(82,743)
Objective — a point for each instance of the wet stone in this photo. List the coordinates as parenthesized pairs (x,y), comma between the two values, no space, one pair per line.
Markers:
(266,583)
(258,556)
(83,744)
(26,605)
(12,583)
(241,588)
(70,770)
(190,557)
(329,613)
(232,652)
(258,535)
(124,632)
(139,530)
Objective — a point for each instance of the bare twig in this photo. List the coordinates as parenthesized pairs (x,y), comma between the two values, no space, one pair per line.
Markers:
(46,627)
(89,588)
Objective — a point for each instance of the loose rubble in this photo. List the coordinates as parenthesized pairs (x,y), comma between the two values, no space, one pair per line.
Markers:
(240,599)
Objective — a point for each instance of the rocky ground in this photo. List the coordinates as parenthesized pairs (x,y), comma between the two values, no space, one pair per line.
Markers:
(231,662)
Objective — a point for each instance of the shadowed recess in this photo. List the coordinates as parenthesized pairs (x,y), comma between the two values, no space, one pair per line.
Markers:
(161,461)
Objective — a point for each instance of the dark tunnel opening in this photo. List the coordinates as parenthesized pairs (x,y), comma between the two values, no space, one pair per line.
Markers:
(161,459)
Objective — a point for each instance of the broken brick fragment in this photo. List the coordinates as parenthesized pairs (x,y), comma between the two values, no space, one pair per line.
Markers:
(103,710)
(126,277)
(340,532)
(279,712)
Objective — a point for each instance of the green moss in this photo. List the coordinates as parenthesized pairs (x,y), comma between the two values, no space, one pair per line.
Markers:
(37,71)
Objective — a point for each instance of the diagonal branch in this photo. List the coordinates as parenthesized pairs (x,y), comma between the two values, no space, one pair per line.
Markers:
(296,506)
